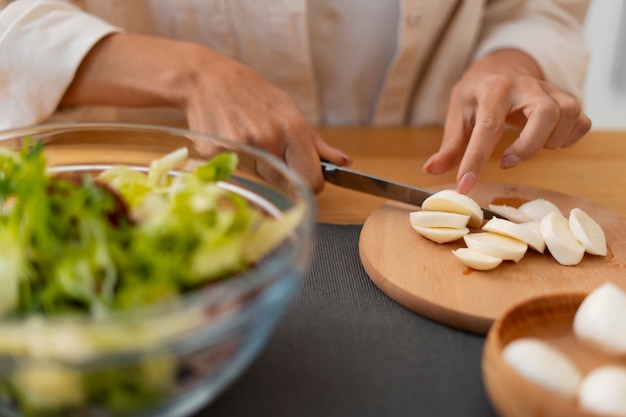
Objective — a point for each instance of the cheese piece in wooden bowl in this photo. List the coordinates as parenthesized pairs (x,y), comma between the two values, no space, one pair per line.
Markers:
(536,364)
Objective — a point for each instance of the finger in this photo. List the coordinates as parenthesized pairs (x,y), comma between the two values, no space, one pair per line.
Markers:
(263,134)
(306,157)
(289,137)
(303,158)
(581,128)
(491,113)
(569,110)
(296,146)
(297,151)
(331,154)
(573,124)
(542,119)
(456,130)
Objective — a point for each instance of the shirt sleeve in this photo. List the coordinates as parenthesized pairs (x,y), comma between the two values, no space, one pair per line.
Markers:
(551,31)
(42,43)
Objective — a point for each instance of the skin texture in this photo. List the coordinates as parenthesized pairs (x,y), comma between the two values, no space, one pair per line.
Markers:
(223,97)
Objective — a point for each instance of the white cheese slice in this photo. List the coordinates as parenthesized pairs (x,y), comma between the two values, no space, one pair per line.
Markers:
(476,260)
(496,245)
(455,202)
(559,240)
(442,234)
(438,219)
(588,232)
(528,233)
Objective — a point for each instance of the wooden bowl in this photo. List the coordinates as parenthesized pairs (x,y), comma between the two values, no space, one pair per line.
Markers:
(549,318)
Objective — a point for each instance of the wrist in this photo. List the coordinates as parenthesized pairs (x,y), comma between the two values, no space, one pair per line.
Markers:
(514,60)
(183,80)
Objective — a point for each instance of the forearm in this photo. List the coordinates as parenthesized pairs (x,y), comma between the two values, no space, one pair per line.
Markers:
(133,70)
(218,95)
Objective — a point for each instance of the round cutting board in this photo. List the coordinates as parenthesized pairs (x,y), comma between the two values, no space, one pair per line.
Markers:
(425,277)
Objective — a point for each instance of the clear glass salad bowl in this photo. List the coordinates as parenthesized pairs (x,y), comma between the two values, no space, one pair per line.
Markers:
(168,357)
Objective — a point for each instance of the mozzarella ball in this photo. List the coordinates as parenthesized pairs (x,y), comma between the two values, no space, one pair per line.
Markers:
(603,390)
(541,363)
(601,319)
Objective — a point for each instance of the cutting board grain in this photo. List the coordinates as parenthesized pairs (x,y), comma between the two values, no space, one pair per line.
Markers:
(425,277)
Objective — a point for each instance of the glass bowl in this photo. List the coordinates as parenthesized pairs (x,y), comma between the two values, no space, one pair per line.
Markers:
(169,358)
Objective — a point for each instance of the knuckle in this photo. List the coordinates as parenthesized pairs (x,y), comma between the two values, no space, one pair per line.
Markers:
(549,110)
(570,107)
(458,92)
(475,158)
(491,125)
(584,124)
(498,80)
(552,144)
(496,84)
(300,131)
(268,138)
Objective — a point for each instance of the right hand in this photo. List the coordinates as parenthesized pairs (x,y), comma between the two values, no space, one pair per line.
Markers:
(219,96)
(231,100)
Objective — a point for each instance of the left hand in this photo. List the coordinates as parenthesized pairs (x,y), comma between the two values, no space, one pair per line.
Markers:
(505,87)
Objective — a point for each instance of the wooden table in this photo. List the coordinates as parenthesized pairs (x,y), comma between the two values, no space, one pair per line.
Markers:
(347,349)
(594,169)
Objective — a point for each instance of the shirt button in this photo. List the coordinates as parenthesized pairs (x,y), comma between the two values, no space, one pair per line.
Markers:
(414,18)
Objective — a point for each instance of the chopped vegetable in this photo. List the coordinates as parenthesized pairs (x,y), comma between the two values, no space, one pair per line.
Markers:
(79,244)
(95,245)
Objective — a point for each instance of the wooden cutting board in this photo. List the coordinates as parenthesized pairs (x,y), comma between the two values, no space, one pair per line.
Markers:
(425,276)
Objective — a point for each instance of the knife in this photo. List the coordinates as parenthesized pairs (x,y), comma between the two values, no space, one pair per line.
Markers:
(380,187)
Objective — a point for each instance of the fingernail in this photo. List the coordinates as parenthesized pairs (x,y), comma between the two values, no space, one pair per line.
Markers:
(510,160)
(347,161)
(468,180)
(427,167)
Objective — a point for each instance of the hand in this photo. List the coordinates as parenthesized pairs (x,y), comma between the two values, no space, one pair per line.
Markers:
(219,96)
(503,88)
(233,101)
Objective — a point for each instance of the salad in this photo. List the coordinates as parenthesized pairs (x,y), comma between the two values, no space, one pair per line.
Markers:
(93,246)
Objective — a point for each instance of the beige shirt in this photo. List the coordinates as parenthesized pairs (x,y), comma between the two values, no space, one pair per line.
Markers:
(345,62)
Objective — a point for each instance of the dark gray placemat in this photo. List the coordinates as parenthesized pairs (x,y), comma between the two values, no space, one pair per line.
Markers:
(343,348)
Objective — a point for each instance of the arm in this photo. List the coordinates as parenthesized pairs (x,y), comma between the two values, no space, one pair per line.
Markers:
(528,72)
(61,55)
(219,96)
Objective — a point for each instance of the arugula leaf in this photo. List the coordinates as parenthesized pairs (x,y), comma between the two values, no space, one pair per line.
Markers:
(219,168)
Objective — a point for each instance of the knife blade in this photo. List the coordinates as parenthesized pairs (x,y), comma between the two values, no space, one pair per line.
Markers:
(370,184)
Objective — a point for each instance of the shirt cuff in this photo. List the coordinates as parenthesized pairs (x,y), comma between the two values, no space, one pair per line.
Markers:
(42,44)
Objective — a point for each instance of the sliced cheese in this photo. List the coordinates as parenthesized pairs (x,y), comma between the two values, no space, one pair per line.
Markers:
(559,240)
(476,260)
(442,234)
(537,209)
(528,233)
(454,202)
(510,213)
(496,245)
(588,232)
(438,219)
